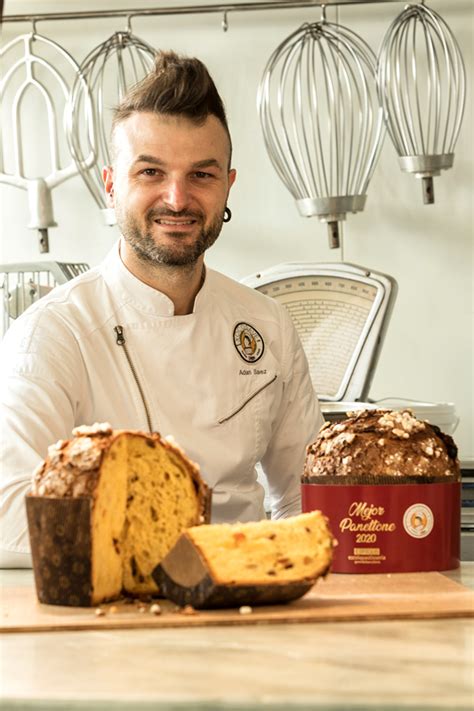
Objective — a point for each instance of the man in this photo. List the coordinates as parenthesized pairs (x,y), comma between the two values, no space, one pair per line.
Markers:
(151,339)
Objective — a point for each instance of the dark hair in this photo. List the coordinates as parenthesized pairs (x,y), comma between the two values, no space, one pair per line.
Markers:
(176,86)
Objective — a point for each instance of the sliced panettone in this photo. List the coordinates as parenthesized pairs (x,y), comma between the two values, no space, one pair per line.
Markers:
(226,565)
(106,506)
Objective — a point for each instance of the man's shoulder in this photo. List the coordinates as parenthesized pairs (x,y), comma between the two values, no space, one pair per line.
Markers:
(244,297)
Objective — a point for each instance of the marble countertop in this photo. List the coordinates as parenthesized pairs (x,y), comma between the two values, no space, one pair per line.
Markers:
(410,665)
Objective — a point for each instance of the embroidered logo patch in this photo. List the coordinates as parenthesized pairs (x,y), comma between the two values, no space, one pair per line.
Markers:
(248,342)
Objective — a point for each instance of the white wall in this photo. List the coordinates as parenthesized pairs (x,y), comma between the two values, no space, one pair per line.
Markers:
(428,353)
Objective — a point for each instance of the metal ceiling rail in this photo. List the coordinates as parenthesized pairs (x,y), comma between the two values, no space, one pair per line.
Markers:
(225,7)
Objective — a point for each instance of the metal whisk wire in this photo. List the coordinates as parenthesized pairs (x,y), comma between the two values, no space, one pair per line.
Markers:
(321,120)
(109,71)
(421,86)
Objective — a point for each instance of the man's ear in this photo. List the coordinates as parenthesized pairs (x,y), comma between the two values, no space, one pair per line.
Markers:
(232,176)
(108,178)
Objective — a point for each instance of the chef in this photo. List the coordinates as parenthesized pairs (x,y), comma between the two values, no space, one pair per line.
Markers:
(152,339)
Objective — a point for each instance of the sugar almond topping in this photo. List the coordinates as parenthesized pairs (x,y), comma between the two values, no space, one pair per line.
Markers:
(381,443)
(98,428)
(71,466)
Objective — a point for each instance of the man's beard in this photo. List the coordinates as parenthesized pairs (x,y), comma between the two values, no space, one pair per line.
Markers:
(176,255)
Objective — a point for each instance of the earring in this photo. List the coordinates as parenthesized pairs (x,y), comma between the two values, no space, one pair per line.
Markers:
(227,215)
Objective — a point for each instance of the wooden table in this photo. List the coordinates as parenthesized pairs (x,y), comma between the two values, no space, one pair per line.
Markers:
(394,665)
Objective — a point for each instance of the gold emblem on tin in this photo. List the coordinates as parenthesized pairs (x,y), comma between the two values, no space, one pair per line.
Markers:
(418,520)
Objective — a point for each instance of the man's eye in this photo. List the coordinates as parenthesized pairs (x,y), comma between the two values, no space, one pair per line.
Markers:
(202,174)
(150,172)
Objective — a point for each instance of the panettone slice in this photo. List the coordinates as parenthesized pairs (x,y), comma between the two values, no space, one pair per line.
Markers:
(228,565)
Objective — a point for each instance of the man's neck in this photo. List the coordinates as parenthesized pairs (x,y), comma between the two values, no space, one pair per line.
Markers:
(180,284)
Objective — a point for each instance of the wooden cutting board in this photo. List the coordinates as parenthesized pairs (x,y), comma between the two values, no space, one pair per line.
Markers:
(339,597)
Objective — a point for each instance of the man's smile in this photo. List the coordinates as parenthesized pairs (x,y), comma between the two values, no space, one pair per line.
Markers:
(182,224)
(167,221)
(174,222)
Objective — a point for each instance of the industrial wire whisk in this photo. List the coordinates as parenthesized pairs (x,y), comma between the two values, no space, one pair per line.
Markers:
(109,71)
(321,120)
(34,91)
(421,85)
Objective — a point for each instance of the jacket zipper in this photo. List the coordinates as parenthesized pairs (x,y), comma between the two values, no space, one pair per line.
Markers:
(251,397)
(120,340)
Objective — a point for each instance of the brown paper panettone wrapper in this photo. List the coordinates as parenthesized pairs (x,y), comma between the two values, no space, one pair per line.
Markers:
(61,549)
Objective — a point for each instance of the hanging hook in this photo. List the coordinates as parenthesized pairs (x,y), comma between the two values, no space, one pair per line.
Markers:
(225,24)
(33,23)
(323,13)
(129,24)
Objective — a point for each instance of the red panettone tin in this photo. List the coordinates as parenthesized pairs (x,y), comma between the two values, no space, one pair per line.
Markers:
(389,528)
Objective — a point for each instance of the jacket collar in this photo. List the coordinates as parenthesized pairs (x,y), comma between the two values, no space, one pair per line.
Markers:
(130,290)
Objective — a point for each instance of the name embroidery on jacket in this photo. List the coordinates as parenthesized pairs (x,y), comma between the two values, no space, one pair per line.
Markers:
(255,371)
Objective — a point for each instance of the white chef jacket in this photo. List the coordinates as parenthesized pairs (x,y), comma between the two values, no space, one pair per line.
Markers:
(62,367)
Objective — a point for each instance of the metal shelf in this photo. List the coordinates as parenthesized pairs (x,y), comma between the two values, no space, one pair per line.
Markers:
(225,7)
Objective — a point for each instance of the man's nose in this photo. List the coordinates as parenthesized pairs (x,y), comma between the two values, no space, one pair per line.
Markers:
(176,194)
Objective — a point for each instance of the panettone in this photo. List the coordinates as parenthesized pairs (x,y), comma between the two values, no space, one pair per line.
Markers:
(105,508)
(381,446)
(246,563)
